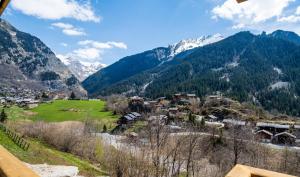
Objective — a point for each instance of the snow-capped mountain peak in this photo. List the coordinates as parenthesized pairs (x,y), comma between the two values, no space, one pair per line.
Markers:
(80,69)
(189,44)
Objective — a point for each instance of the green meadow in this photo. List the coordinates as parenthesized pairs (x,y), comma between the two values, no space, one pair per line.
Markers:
(64,110)
(72,110)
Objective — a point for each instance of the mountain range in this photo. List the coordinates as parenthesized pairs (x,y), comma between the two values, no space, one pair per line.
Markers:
(27,63)
(262,69)
(135,64)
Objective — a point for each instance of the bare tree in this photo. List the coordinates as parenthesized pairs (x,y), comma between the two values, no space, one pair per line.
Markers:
(117,103)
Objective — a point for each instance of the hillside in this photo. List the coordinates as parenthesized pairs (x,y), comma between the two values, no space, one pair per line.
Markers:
(263,69)
(27,63)
(40,153)
(135,64)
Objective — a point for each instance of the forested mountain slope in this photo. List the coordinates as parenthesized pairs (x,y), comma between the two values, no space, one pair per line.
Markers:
(136,64)
(263,69)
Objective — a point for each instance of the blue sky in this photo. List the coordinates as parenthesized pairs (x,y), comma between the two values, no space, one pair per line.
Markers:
(103,31)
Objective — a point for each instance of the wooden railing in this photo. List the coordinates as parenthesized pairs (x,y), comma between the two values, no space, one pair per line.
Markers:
(3,5)
(21,142)
(246,171)
(10,166)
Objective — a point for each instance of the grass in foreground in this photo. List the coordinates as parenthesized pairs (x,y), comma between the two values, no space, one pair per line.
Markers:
(39,153)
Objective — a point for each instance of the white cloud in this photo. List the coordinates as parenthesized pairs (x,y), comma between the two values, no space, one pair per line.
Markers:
(290,19)
(87,53)
(238,26)
(91,51)
(120,45)
(250,12)
(101,45)
(294,18)
(298,11)
(95,44)
(57,9)
(64,44)
(69,29)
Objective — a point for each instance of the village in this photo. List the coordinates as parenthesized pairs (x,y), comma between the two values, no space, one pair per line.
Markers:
(185,111)
(214,113)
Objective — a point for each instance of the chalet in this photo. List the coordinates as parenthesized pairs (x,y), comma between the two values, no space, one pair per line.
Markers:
(136,100)
(297,127)
(214,97)
(32,104)
(232,122)
(173,111)
(177,95)
(272,127)
(136,104)
(191,96)
(184,99)
(264,136)
(211,118)
(130,118)
(27,103)
(284,138)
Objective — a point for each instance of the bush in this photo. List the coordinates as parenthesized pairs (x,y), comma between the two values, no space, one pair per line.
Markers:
(66,136)
(3,116)
(118,104)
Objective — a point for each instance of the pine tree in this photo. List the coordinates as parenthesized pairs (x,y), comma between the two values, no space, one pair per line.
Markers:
(202,123)
(3,116)
(72,96)
(44,95)
(104,129)
(192,118)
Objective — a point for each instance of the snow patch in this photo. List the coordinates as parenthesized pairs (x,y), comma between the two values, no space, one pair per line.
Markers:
(80,69)
(189,44)
(12,33)
(225,77)
(280,85)
(217,69)
(232,64)
(279,71)
(145,86)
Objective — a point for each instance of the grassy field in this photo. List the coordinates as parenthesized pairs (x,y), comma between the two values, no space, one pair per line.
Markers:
(72,110)
(39,153)
(65,110)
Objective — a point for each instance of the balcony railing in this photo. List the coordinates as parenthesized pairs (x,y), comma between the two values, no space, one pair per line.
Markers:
(10,166)
(246,171)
